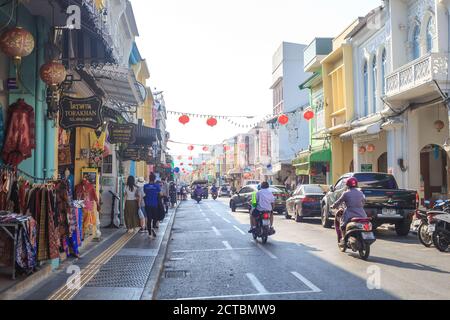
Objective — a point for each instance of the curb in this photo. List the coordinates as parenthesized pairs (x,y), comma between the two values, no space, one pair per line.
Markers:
(153,280)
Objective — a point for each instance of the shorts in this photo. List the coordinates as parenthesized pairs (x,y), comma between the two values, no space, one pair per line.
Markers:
(255,213)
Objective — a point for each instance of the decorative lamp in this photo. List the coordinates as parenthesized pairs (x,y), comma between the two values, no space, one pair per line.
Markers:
(183,119)
(362,150)
(17,43)
(308,115)
(370,148)
(53,73)
(439,125)
(283,119)
(211,122)
(190,148)
(205,148)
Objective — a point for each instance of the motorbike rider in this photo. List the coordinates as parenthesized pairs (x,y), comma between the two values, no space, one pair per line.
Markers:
(265,202)
(214,189)
(254,214)
(198,192)
(354,200)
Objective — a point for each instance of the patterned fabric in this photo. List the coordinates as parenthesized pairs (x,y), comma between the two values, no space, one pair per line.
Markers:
(2,127)
(25,252)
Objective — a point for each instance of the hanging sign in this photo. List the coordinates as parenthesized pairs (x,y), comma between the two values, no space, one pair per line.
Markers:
(80,113)
(131,153)
(122,133)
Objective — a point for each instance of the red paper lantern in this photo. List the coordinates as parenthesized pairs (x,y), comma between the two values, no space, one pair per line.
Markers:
(190,148)
(211,122)
(205,148)
(204,163)
(190,158)
(283,119)
(190,164)
(308,115)
(53,73)
(362,150)
(183,119)
(179,158)
(17,43)
(181,164)
(370,148)
(227,148)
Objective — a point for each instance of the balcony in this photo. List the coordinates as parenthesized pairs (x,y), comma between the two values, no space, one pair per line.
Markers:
(318,49)
(416,79)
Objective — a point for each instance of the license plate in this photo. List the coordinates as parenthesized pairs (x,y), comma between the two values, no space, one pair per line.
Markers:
(368,236)
(390,212)
(265,222)
(431,228)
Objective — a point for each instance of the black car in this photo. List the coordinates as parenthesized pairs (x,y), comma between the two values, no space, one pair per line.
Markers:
(385,202)
(243,199)
(305,202)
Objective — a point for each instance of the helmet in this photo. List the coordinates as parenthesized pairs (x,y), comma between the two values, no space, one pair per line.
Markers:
(352,182)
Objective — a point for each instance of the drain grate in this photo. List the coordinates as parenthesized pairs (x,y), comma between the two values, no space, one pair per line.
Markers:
(123,272)
(175,274)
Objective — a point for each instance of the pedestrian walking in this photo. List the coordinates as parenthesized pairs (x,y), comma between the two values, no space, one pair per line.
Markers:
(152,192)
(142,216)
(165,194)
(173,194)
(131,205)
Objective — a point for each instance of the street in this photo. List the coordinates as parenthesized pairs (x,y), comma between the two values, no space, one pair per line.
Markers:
(211,256)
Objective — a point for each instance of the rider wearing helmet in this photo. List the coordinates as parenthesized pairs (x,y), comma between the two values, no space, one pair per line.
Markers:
(354,201)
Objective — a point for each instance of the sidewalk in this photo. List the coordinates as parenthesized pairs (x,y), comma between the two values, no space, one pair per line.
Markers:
(124,267)
(11,289)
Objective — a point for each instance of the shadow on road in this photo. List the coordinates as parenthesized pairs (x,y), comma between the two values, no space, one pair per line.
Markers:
(406,265)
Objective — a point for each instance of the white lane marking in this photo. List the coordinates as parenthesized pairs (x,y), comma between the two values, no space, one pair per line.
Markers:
(203,214)
(242,232)
(270,254)
(217,232)
(176,259)
(208,220)
(258,285)
(227,245)
(210,250)
(217,214)
(308,283)
(248,295)
(226,220)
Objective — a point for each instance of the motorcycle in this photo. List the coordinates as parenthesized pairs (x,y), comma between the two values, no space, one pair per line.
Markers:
(425,237)
(214,195)
(358,235)
(198,198)
(439,229)
(263,229)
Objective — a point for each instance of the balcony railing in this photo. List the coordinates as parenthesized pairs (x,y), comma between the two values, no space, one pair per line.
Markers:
(433,66)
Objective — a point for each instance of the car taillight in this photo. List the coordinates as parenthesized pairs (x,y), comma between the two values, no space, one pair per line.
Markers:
(266,216)
(308,199)
(431,218)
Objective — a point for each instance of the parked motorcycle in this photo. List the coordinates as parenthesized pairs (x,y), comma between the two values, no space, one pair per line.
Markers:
(358,235)
(439,229)
(263,229)
(425,237)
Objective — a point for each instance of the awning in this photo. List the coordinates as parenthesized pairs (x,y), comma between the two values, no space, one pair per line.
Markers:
(323,155)
(118,83)
(146,136)
(302,169)
(301,163)
(373,128)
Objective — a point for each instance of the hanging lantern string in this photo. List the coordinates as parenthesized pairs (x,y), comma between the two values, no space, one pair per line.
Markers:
(191,144)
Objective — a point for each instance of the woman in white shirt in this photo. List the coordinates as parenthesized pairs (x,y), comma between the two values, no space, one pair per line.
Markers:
(132,200)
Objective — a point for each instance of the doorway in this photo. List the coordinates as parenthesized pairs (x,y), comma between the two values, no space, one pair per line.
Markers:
(383,163)
(433,173)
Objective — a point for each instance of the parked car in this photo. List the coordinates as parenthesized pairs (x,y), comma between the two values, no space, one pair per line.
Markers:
(243,198)
(225,191)
(385,202)
(305,202)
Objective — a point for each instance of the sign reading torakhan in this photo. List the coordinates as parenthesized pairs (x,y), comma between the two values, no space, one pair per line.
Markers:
(122,133)
(80,112)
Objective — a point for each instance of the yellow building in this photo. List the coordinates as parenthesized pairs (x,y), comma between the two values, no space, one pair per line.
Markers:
(339,105)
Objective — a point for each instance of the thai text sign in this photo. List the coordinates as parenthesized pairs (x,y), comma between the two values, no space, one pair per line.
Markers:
(77,113)
(122,133)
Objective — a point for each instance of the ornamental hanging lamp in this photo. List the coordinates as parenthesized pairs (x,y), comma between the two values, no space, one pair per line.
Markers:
(308,115)
(211,122)
(184,119)
(283,119)
(190,148)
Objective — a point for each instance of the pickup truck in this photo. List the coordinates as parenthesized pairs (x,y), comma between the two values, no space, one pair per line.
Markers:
(385,202)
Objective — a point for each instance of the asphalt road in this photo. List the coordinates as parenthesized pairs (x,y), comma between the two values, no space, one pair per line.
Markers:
(211,256)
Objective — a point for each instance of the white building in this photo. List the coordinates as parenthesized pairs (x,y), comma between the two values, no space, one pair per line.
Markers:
(288,73)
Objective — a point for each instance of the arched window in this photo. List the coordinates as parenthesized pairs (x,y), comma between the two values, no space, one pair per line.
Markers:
(416,42)
(383,71)
(366,90)
(430,34)
(374,83)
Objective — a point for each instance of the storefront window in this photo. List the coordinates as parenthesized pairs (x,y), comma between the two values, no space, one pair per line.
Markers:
(430,34)
(107,165)
(416,43)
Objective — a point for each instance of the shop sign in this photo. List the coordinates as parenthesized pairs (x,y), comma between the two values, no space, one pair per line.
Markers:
(80,113)
(121,133)
(131,153)
(366,168)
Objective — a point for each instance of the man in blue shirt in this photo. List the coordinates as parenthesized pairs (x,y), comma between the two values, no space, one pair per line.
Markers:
(152,193)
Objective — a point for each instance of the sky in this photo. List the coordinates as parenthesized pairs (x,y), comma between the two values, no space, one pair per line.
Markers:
(215,56)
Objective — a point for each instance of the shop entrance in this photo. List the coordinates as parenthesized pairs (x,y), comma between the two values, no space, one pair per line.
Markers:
(383,163)
(433,173)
